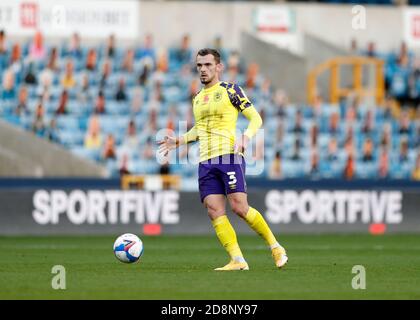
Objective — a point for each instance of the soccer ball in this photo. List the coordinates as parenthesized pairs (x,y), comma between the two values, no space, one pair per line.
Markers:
(128,248)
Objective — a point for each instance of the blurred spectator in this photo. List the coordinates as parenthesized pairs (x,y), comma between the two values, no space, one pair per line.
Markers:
(403,154)
(156,96)
(251,80)
(279,131)
(165,168)
(367,126)
(110,46)
(121,94)
(417,128)
(84,95)
(351,114)
(383,163)
(151,124)
(30,77)
(194,89)
(106,71)
(108,151)
(404,123)
(353,47)
(416,171)
(162,63)
(265,92)
(91,60)
(276,167)
(75,49)
(45,82)
(334,122)
(403,55)
(332,152)
(38,124)
(53,60)
(296,156)
(16,59)
(388,107)
(231,76)
(367,152)
(349,168)
(52,131)
(386,135)
(124,166)
(3,51)
(8,85)
(314,135)
(144,76)
(218,45)
(349,143)
(183,54)
(100,103)
(62,103)
(172,118)
(317,106)
(280,102)
(298,127)
(22,106)
(93,138)
(148,152)
(131,140)
(234,62)
(68,81)
(137,100)
(128,61)
(371,50)
(37,50)
(413,90)
(3,47)
(314,164)
(185,77)
(147,52)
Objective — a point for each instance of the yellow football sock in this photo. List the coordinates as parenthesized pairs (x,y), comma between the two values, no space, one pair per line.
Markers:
(256,221)
(227,237)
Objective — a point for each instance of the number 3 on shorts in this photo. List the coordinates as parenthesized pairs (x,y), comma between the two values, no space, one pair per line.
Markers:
(232,178)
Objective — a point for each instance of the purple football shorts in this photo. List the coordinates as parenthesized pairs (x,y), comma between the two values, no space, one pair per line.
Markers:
(222,175)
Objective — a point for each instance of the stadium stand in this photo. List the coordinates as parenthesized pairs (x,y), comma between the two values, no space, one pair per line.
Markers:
(107,102)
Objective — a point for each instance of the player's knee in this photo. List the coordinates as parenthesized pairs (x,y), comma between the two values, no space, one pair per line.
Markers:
(239,208)
(214,211)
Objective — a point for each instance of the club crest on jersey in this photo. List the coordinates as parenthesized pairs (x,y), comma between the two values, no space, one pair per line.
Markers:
(217,96)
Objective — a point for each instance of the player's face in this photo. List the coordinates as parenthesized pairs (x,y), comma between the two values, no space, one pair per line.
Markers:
(208,69)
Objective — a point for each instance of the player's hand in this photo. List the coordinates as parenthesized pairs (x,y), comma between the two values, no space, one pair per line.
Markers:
(167,144)
(241,144)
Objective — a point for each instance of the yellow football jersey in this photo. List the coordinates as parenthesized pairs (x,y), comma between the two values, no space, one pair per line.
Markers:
(215,112)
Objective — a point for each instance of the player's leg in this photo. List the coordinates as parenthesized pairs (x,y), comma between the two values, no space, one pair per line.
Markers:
(212,193)
(239,204)
(233,175)
(216,209)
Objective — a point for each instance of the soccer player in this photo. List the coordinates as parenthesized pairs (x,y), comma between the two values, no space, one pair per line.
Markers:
(222,166)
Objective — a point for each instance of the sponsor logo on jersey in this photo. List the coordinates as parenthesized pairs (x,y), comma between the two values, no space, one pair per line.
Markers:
(217,96)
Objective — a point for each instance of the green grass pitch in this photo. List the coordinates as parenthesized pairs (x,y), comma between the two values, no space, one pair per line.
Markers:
(181,267)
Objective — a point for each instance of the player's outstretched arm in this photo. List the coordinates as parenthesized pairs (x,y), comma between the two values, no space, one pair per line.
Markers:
(169,143)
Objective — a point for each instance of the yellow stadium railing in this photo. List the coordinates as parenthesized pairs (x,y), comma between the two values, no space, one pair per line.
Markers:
(165,181)
(336,91)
